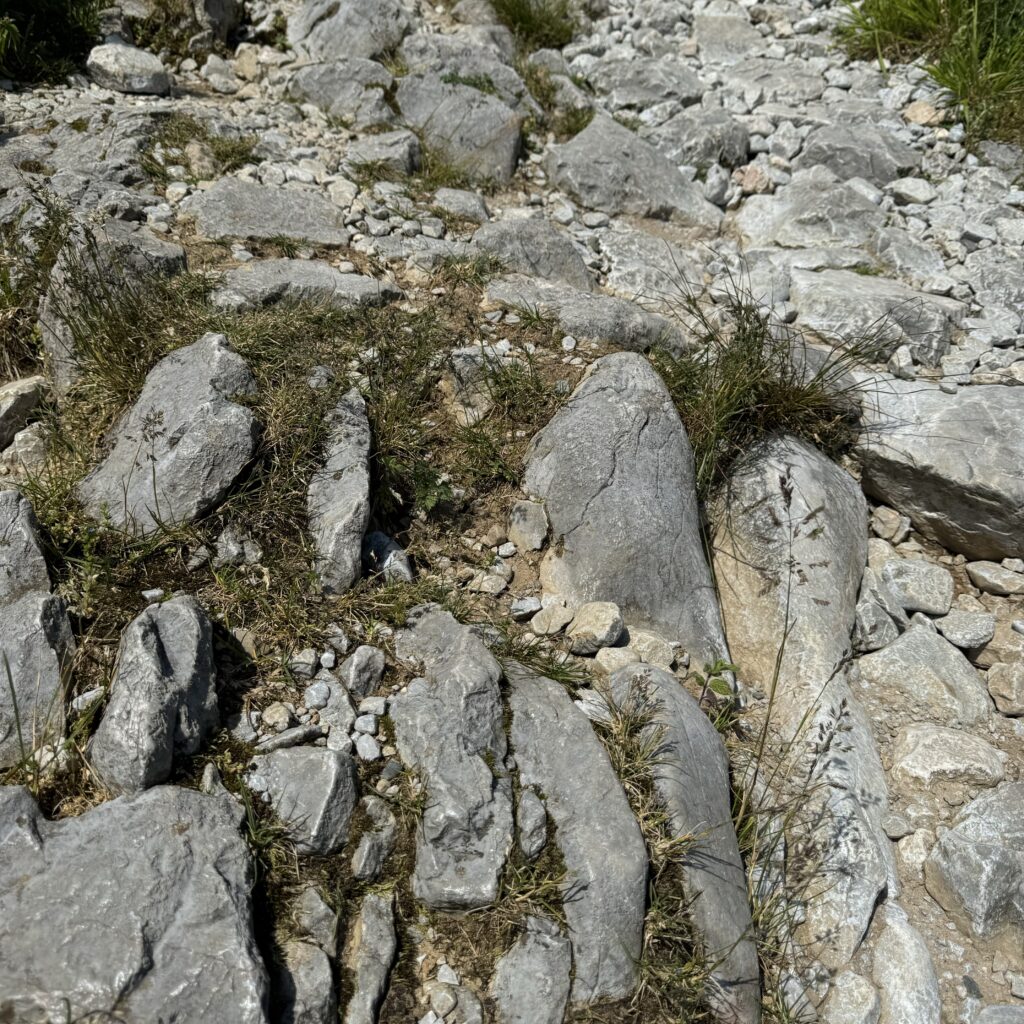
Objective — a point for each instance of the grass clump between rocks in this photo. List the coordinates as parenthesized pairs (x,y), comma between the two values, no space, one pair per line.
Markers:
(538,24)
(167,147)
(973,48)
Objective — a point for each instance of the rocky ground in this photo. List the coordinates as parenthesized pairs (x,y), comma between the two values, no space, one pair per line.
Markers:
(375,648)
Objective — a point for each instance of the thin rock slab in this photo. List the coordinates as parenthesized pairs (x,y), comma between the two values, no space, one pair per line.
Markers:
(449,728)
(691,776)
(163,701)
(338,499)
(531,980)
(606,167)
(265,282)
(789,558)
(604,853)
(369,956)
(615,471)
(36,642)
(953,463)
(234,208)
(179,449)
(142,903)
(313,790)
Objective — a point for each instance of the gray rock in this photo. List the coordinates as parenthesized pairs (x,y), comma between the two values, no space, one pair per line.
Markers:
(36,643)
(329,29)
(904,973)
(967,630)
(369,954)
(451,731)
(852,999)
(874,627)
(637,82)
(475,132)
(615,471)
(919,586)
(338,499)
(163,701)
(976,869)
(926,676)
(992,274)
(18,400)
(233,208)
(650,269)
(927,755)
(952,463)
(993,578)
(398,151)
(606,167)
(840,305)
(778,81)
(596,624)
(1006,685)
(724,33)
(701,138)
(691,776)
(812,211)
(316,920)
(384,556)
(532,821)
(537,248)
(601,844)
(362,670)
(464,205)
(789,559)
(348,89)
(305,985)
(530,984)
(1001,1015)
(265,282)
(141,903)
(181,446)
(127,69)
(220,17)
(312,790)
(588,316)
(377,842)
(528,525)
(862,151)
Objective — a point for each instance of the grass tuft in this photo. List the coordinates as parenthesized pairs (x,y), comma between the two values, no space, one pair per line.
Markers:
(174,133)
(538,24)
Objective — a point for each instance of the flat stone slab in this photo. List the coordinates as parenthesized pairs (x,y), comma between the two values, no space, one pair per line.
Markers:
(234,208)
(536,248)
(142,903)
(604,853)
(179,449)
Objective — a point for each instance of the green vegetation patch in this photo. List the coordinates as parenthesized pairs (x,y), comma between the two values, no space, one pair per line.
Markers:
(538,24)
(46,40)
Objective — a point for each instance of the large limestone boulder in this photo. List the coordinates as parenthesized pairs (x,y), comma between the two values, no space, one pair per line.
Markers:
(615,471)
(36,643)
(327,29)
(128,69)
(953,463)
(178,450)
(143,903)
(348,89)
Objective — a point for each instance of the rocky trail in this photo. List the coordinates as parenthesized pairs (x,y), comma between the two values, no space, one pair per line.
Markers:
(387,634)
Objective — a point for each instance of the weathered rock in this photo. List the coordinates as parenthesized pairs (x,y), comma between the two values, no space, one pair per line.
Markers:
(851,1000)
(928,754)
(36,643)
(316,920)
(724,33)
(313,790)
(18,400)
(163,701)
(846,306)
(606,167)
(531,981)
(993,578)
(338,499)
(463,204)
(141,903)
(233,208)
(305,985)
(1006,685)
(967,630)
(537,248)
(449,728)
(127,69)
(615,471)
(385,557)
(377,842)
(369,954)
(781,81)
(473,131)
(951,463)
(264,282)
(397,151)
(691,776)
(362,670)
(654,271)
(789,559)
(329,29)
(872,154)
(976,869)
(637,82)
(588,316)
(701,138)
(923,675)
(181,446)
(604,854)
(528,525)
(532,822)
(904,973)
(596,624)
(919,586)
(349,89)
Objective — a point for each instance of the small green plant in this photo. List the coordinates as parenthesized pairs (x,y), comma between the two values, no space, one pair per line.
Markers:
(46,40)
(482,83)
(174,133)
(538,24)
(973,48)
